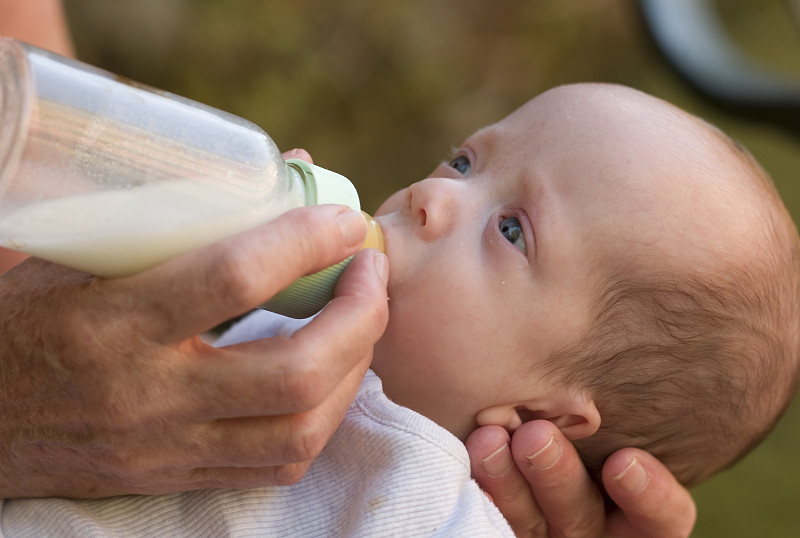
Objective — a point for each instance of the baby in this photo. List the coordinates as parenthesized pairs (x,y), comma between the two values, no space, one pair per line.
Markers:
(603,260)
(599,259)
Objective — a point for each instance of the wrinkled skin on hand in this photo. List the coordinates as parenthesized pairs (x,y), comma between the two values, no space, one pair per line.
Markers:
(107,388)
(538,482)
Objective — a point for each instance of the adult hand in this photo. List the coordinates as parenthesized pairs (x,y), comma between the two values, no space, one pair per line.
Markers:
(107,388)
(38,22)
(538,482)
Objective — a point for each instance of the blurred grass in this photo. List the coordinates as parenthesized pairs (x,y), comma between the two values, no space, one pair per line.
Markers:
(380,91)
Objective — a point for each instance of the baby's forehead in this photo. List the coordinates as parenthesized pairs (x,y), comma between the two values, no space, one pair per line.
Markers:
(606,109)
(686,183)
(620,126)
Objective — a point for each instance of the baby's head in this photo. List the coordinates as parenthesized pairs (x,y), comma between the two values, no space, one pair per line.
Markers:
(605,261)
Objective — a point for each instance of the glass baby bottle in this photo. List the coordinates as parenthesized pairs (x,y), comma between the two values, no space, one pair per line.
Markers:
(112,177)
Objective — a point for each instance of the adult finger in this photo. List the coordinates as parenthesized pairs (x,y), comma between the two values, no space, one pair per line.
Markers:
(354,320)
(494,469)
(295,436)
(283,375)
(569,501)
(285,442)
(651,501)
(298,153)
(196,291)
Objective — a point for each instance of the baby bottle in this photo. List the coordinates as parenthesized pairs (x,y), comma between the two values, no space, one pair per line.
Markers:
(111,177)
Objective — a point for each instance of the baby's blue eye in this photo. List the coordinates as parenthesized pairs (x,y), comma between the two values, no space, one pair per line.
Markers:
(512,230)
(461,164)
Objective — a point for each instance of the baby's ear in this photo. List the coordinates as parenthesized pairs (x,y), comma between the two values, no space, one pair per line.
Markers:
(575,414)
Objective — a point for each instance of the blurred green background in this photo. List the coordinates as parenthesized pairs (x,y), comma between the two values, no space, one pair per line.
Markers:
(380,92)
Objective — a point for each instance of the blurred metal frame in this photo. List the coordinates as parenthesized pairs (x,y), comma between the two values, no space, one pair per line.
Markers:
(691,37)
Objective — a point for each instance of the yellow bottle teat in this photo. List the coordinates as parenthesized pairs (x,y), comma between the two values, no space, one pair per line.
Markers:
(374,237)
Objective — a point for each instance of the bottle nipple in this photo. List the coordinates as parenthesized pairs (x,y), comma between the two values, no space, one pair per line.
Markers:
(374,237)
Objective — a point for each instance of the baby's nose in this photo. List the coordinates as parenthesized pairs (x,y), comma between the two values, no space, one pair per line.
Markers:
(433,204)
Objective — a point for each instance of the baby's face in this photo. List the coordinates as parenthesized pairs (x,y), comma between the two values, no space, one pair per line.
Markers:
(497,258)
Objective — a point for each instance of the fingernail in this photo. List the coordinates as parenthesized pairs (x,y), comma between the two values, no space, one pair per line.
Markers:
(633,478)
(546,457)
(382,266)
(353,226)
(498,463)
